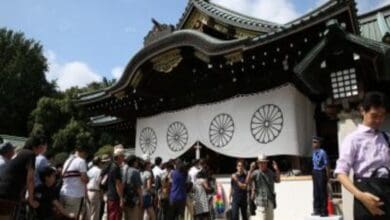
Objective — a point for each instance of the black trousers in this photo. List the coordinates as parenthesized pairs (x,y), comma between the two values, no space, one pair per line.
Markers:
(176,210)
(320,192)
(237,206)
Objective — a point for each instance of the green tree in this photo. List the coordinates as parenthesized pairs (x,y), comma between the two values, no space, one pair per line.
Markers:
(72,135)
(66,124)
(60,158)
(22,80)
(106,149)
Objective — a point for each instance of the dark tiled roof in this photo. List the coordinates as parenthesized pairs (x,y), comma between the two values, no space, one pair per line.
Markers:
(376,24)
(227,16)
(104,120)
(200,41)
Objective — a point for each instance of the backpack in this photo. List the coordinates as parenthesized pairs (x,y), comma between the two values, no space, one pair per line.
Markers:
(129,194)
(103,180)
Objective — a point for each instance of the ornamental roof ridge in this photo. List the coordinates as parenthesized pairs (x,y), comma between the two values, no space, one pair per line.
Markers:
(332,6)
(226,15)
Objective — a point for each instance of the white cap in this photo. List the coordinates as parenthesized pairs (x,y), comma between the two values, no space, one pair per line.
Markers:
(146,157)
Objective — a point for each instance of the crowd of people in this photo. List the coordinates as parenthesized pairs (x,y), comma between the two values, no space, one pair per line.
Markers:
(121,186)
(129,187)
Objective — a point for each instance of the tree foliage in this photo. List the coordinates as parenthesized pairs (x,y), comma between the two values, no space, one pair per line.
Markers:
(22,80)
(60,158)
(67,125)
(29,104)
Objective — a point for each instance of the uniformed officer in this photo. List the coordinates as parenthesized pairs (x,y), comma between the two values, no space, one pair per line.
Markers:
(320,177)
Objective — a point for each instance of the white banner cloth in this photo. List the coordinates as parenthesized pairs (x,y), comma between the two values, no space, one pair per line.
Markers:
(279,121)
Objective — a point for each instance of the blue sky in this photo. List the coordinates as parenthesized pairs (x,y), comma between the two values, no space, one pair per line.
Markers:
(86,40)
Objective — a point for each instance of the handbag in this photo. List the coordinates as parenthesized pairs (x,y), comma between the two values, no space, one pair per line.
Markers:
(379,187)
(252,207)
(273,195)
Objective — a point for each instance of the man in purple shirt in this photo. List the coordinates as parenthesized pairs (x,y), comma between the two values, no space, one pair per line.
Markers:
(365,150)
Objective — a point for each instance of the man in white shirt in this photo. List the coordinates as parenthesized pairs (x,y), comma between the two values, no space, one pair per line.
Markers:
(94,192)
(194,170)
(157,171)
(75,179)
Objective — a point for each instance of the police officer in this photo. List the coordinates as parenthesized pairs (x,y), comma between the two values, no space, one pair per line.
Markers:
(320,177)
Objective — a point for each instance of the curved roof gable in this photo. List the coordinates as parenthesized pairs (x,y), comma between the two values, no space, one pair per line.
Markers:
(226,16)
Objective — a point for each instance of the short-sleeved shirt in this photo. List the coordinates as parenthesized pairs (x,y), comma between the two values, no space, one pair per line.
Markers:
(157,171)
(40,163)
(364,151)
(178,187)
(72,185)
(320,159)
(261,188)
(114,174)
(14,178)
(45,196)
(133,177)
(238,193)
(94,175)
(145,175)
(192,173)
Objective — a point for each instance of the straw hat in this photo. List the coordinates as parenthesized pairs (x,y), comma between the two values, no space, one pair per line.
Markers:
(119,152)
(262,158)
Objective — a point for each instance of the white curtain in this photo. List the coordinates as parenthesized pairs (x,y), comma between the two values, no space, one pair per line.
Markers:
(279,121)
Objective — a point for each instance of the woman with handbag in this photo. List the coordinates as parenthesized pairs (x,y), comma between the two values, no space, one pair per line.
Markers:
(367,152)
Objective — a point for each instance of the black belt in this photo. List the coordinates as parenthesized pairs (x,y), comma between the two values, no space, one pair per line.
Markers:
(94,190)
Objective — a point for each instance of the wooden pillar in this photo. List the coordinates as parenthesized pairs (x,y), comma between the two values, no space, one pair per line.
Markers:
(197,150)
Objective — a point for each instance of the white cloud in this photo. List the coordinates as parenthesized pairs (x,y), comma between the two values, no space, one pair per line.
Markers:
(117,72)
(369,5)
(279,11)
(320,2)
(75,73)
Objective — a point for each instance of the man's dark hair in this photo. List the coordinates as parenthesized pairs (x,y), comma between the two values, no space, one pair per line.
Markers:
(35,141)
(240,161)
(96,161)
(374,99)
(45,172)
(181,166)
(131,160)
(158,161)
(82,148)
(6,147)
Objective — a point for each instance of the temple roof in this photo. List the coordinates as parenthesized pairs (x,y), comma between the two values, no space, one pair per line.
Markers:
(187,38)
(212,46)
(226,16)
(376,24)
(201,56)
